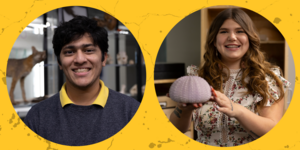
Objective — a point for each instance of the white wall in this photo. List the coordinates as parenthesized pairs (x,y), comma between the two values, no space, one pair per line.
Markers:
(291,75)
(183,41)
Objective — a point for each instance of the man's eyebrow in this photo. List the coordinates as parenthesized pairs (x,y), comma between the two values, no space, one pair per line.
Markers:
(87,45)
(74,47)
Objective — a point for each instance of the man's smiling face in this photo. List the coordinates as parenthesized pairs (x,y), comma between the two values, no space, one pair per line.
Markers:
(81,62)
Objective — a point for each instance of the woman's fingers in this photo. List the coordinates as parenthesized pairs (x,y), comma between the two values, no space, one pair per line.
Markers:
(219,98)
(195,105)
(213,92)
(182,104)
(223,110)
(224,104)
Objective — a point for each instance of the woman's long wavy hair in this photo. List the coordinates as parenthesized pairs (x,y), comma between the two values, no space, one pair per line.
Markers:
(253,63)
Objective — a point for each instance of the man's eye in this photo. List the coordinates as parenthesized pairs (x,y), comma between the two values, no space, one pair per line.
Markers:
(68,52)
(89,50)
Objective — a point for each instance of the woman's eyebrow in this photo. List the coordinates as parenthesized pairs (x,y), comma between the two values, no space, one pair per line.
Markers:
(239,28)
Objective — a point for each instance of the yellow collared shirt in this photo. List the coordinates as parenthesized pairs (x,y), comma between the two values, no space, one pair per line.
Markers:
(100,100)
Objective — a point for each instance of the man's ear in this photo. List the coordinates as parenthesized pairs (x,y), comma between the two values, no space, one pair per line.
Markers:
(105,59)
(59,65)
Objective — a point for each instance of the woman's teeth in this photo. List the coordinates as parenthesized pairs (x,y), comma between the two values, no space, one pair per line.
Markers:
(232,46)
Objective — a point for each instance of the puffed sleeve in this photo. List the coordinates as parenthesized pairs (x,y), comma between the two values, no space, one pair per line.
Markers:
(193,70)
(273,87)
(195,115)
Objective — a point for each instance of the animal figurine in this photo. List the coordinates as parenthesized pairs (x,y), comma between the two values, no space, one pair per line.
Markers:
(131,62)
(109,21)
(133,90)
(123,89)
(18,69)
(109,60)
(70,11)
(122,58)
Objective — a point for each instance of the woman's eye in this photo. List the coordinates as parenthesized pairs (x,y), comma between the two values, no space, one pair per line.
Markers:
(241,31)
(223,31)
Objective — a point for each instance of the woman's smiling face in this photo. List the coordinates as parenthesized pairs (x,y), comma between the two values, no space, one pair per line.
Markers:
(231,42)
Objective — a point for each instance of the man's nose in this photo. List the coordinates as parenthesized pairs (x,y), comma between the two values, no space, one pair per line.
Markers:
(80,57)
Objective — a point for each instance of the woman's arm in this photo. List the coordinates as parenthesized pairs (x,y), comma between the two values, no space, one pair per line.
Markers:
(181,117)
(256,125)
(268,117)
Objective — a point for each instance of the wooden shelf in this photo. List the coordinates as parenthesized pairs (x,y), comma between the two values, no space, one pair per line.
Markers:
(163,81)
(272,42)
(168,102)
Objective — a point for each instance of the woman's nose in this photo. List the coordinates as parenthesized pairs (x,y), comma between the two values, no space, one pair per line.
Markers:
(232,37)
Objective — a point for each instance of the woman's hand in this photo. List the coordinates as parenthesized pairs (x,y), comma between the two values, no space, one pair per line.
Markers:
(225,105)
(182,115)
(187,106)
(256,125)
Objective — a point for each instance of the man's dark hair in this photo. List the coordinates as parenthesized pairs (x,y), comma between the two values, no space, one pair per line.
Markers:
(75,29)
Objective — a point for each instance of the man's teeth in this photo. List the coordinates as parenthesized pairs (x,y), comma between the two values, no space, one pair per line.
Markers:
(232,46)
(81,70)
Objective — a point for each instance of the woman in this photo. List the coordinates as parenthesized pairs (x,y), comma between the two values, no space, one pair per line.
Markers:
(248,99)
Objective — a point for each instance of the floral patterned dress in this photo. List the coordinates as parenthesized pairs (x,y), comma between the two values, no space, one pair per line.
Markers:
(217,129)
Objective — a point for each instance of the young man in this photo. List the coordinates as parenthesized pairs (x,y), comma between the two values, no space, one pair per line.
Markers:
(85,111)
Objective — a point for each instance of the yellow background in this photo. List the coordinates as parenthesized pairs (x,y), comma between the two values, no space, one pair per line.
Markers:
(149,21)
